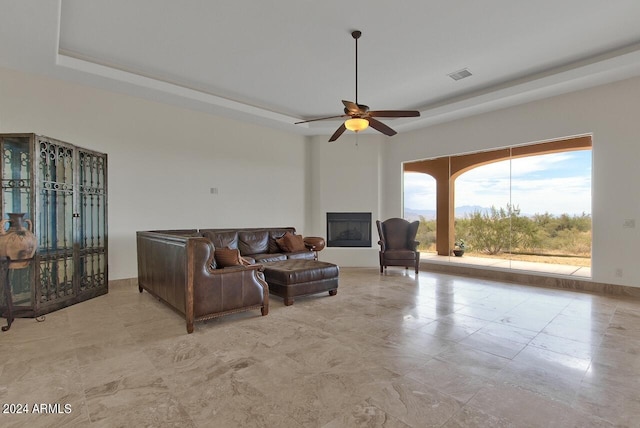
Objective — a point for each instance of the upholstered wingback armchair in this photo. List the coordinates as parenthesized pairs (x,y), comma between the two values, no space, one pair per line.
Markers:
(398,246)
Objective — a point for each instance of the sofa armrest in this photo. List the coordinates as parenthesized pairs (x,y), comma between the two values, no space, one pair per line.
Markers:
(221,291)
(227,269)
(177,270)
(314,243)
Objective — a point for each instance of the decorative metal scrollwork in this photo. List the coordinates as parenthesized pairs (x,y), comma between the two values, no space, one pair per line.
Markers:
(53,154)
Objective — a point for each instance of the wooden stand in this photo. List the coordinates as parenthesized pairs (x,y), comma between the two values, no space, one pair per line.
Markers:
(7,311)
(6,289)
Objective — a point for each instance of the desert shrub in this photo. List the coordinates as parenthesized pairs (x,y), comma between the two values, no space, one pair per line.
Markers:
(426,234)
(496,231)
(506,230)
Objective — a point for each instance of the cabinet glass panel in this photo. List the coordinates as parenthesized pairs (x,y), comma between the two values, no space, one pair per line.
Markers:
(16,173)
(92,219)
(55,222)
(17,198)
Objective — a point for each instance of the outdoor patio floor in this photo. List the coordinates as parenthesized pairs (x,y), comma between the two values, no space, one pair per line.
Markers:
(532,267)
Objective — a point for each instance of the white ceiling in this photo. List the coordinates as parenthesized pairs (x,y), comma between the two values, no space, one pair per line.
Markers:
(278,62)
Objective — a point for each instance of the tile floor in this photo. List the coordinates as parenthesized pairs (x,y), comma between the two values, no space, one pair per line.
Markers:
(391,350)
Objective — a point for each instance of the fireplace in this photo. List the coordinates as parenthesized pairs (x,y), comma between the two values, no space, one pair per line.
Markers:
(348,229)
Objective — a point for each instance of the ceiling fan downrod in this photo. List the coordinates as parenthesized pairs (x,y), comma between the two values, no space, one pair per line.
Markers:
(359,116)
(356,35)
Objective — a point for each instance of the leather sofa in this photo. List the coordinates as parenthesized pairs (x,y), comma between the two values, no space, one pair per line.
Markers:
(176,267)
(258,245)
(289,274)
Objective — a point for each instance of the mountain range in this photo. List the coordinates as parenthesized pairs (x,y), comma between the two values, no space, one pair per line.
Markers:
(461,212)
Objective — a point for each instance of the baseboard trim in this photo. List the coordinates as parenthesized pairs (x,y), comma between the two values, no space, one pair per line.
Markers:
(126,282)
(517,277)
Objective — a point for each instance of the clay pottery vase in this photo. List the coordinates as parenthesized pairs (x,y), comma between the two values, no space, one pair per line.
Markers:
(17,242)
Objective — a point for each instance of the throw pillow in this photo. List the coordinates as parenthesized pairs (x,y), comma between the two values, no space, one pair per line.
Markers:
(274,235)
(291,243)
(227,257)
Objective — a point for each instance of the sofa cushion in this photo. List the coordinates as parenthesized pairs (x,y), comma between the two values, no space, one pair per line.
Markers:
(222,239)
(306,254)
(226,257)
(291,243)
(253,242)
(268,257)
(246,260)
(400,255)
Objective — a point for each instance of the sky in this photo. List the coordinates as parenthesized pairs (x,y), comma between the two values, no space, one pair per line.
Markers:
(557,183)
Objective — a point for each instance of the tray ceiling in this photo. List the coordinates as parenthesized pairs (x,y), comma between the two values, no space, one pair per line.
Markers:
(275,63)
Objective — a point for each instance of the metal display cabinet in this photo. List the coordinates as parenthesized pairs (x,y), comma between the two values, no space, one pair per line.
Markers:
(62,189)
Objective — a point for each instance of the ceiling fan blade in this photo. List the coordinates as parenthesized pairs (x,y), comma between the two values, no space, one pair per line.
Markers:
(338,133)
(322,118)
(360,112)
(394,113)
(376,124)
(351,107)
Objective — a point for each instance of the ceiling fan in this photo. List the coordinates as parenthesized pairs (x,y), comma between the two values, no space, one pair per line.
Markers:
(360,117)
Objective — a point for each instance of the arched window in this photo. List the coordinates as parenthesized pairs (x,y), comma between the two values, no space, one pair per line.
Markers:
(419,200)
(520,202)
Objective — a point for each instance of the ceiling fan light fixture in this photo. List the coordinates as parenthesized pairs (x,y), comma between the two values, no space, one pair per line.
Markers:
(356,124)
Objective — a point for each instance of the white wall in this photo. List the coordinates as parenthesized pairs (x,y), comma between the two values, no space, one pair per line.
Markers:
(163,160)
(610,112)
(344,177)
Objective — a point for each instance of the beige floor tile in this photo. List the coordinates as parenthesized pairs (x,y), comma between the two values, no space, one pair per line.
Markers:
(414,403)
(616,406)
(447,330)
(525,408)
(474,361)
(392,350)
(470,416)
(527,321)
(451,379)
(491,344)
(365,415)
(136,400)
(560,345)
(575,329)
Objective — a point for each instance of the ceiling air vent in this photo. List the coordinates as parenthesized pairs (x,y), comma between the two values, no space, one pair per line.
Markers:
(460,74)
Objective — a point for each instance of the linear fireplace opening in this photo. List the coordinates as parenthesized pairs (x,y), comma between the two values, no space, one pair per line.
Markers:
(348,229)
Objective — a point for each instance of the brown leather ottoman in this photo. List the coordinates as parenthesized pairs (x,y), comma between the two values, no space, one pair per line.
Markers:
(299,277)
